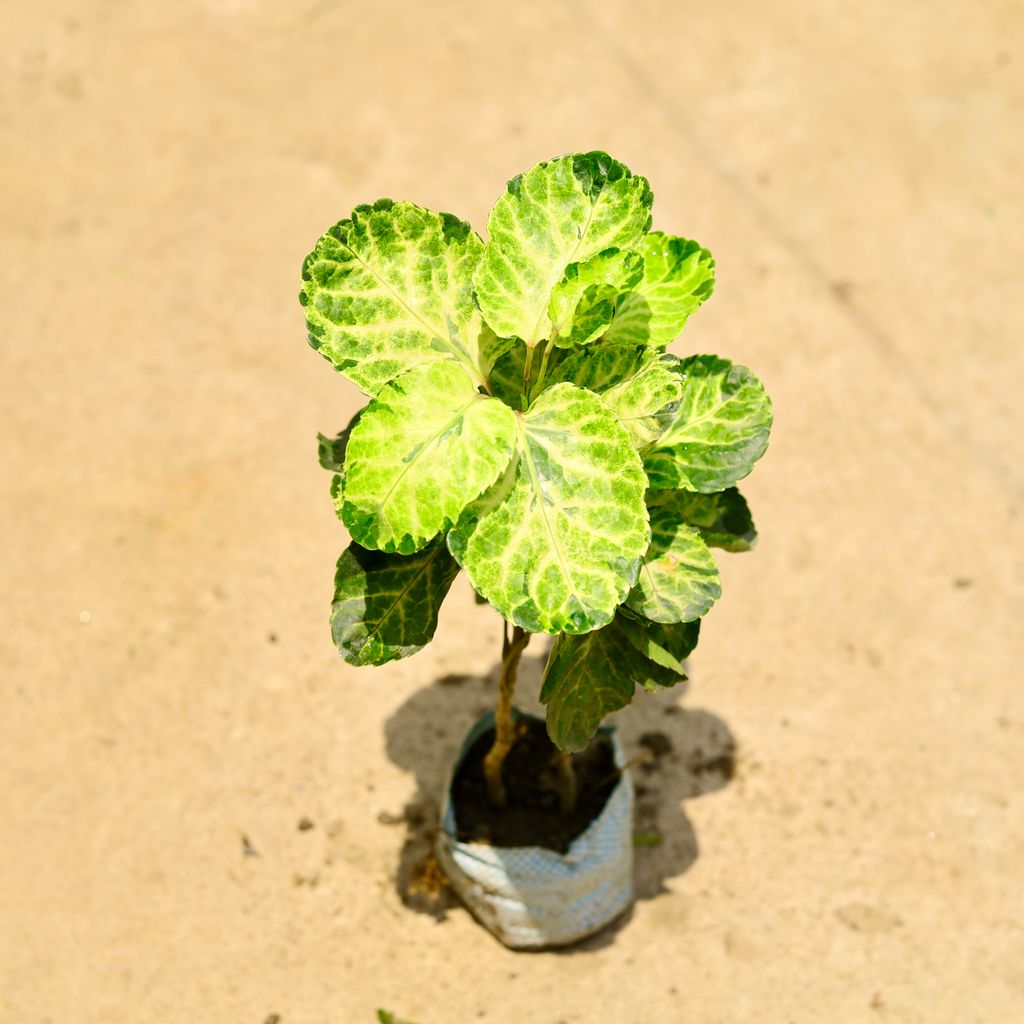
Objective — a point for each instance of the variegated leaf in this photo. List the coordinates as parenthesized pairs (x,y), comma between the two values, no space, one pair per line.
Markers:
(678,579)
(678,276)
(423,449)
(723,519)
(390,288)
(583,303)
(331,452)
(666,644)
(559,212)
(555,545)
(385,606)
(600,366)
(719,431)
(590,676)
(338,493)
(646,403)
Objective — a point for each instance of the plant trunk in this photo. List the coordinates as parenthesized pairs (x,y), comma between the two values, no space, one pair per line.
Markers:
(504,723)
(566,782)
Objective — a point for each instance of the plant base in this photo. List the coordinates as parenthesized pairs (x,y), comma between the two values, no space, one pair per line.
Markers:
(529,897)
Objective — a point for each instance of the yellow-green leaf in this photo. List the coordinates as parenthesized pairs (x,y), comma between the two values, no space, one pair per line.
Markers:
(718,432)
(678,276)
(646,403)
(331,452)
(423,449)
(678,578)
(600,366)
(555,545)
(392,287)
(560,212)
(583,303)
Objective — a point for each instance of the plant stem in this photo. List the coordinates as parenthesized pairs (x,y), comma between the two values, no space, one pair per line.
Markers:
(504,723)
(566,782)
(543,372)
(526,373)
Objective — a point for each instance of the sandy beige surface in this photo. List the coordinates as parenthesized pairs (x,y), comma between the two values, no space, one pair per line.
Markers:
(172,705)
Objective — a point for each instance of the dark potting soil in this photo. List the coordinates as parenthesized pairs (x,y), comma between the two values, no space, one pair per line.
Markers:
(534,815)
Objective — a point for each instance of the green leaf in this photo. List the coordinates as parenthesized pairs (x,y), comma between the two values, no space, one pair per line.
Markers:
(390,288)
(386,1017)
(666,644)
(508,376)
(719,431)
(583,303)
(646,403)
(331,450)
(423,449)
(678,579)
(385,606)
(587,677)
(560,212)
(678,276)
(644,839)
(491,348)
(555,545)
(722,519)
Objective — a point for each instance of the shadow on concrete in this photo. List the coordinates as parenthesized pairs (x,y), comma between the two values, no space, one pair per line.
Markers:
(690,753)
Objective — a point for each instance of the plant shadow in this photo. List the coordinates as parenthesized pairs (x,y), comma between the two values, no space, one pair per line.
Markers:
(688,753)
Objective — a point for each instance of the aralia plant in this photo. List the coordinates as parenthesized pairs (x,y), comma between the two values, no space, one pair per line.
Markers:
(526,424)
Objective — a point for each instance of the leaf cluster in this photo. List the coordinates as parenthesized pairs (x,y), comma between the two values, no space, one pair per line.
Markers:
(526,424)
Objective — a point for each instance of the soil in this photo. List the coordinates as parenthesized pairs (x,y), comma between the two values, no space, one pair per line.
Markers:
(534,816)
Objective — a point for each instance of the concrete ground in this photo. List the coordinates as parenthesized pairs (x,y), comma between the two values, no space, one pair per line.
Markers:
(172,706)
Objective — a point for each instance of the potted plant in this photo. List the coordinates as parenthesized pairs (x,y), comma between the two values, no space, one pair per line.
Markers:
(525,424)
